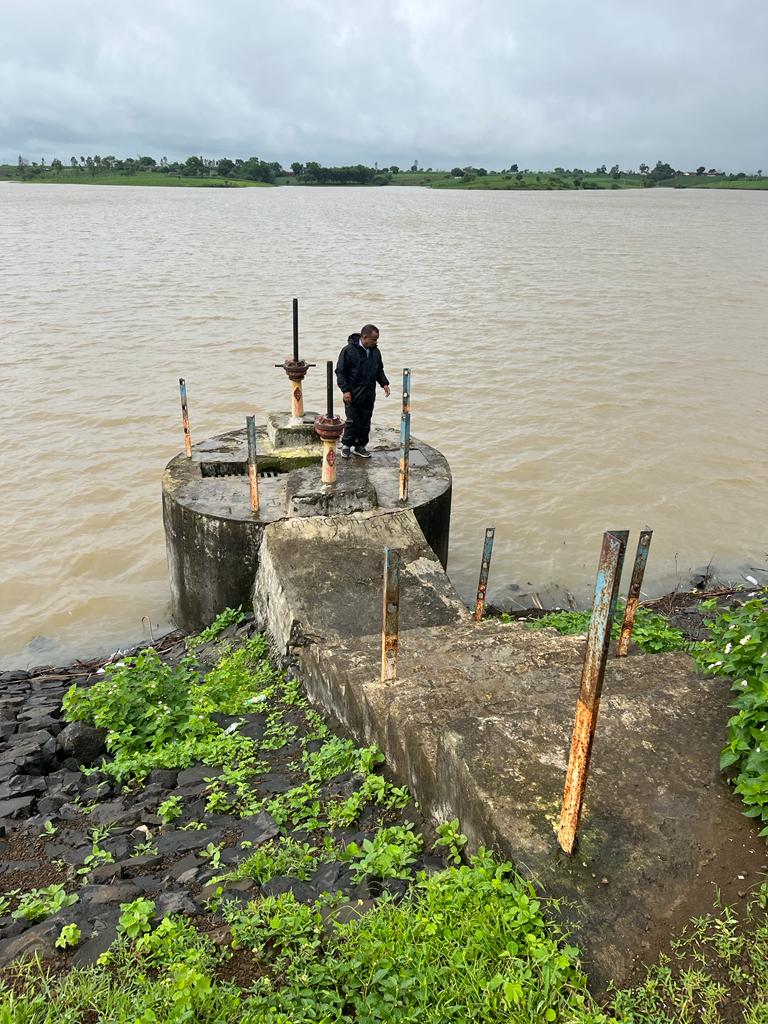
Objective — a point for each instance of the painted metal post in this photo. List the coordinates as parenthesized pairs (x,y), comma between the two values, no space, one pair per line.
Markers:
(588,704)
(185,418)
(485,567)
(329,429)
(390,614)
(295,330)
(253,473)
(405,435)
(297,400)
(633,597)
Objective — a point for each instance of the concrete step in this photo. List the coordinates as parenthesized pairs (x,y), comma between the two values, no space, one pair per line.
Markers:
(321,578)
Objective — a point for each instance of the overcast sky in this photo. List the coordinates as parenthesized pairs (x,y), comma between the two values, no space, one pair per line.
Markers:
(488,82)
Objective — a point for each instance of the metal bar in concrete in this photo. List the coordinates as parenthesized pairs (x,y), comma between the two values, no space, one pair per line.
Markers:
(295,330)
(405,435)
(633,597)
(588,704)
(185,418)
(390,615)
(253,472)
(329,389)
(485,567)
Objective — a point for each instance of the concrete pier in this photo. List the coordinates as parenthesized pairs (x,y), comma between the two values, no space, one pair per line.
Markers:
(213,537)
(478,721)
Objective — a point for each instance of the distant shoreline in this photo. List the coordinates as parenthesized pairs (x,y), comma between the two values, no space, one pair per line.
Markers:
(539,181)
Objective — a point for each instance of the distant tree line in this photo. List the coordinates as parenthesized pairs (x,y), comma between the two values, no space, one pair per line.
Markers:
(314,173)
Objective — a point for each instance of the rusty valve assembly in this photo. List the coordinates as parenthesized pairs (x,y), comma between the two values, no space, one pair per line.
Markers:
(296,371)
(329,429)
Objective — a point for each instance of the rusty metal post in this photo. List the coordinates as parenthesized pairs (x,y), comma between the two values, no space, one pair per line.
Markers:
(485,567)
(185,418)
(295,330)
(633,597)
(588,704)
(405,435)
(390,613)
(253,473)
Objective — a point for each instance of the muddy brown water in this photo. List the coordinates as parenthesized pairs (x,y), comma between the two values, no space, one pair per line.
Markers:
(584,360)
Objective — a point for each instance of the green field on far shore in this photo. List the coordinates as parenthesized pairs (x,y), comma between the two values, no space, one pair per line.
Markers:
(11,173)
(507,180)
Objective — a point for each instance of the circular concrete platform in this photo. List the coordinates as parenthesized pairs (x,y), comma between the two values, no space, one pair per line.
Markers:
(213,537)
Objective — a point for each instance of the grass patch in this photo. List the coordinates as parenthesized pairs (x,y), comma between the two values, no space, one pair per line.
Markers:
(652,632)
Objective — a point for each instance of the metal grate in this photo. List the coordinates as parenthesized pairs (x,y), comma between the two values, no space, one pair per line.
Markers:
(209,469)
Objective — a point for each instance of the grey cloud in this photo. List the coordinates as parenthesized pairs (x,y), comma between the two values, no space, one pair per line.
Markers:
(440,81)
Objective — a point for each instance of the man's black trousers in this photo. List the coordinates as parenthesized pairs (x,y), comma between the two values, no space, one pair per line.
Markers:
(358,428)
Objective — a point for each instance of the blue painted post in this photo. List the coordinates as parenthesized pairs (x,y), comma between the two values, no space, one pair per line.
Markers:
(390,615)
(588,705)
(633,597)
(485,567)
(405,435)
(185,418)
(253,472)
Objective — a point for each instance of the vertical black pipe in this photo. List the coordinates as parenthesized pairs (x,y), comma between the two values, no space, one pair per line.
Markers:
(329,379)
(295,330)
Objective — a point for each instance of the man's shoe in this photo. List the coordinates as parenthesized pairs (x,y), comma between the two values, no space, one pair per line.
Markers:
(363,453)
(345,451)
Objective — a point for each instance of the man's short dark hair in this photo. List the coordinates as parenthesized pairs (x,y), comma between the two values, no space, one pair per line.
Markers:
(368,330)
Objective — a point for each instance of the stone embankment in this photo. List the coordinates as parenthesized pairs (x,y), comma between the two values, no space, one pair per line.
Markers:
(107,843)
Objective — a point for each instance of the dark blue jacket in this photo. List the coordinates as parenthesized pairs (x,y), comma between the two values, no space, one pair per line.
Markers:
(359,370)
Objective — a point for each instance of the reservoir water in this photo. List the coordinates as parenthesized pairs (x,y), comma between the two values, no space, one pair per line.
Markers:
(585,360)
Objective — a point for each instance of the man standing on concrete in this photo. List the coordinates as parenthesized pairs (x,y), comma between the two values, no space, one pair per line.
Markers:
(358,370)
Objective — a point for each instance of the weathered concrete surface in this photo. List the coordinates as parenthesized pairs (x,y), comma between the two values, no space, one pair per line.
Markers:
(213,537)
(284,433)
(478,725)
(350,493)
(320,578)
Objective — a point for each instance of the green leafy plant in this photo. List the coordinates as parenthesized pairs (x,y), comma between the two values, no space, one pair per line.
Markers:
(38,904)
(145,849)
(229,617)
(301,806)
(450,841)
(170,809)
(136,917)
(389,854)
(278,857)
(69,937)
(212,853)
(193,826)
(737,649)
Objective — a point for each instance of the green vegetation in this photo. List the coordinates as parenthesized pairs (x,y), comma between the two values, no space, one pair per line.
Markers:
(37,904)
(737,649)
(226,173)
(69,937)
(135,917)
(652,632)
(229,617)
(158,716)
(471,943)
